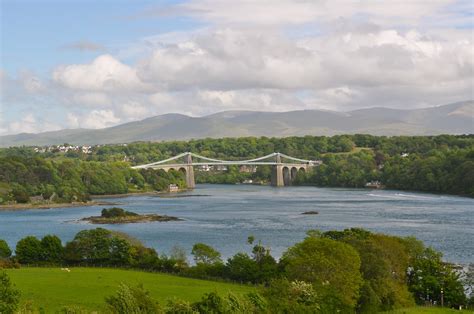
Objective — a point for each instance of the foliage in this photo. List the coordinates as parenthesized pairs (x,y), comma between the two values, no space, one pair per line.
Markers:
(28,250)
(346,271)
(205,254)
(132,300)
(9,295)
(429,277)
(331,266)
(5,250)
(73,180)
(116,212)
(440,164)
(292,297)
(384,262)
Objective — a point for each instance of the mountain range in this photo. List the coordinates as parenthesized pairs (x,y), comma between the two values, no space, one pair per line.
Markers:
(456,118)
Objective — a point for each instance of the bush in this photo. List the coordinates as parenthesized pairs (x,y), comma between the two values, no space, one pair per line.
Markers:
(9,296)
(115,212)
(132,300)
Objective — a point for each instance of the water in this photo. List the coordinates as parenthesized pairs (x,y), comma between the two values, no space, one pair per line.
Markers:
(225,215)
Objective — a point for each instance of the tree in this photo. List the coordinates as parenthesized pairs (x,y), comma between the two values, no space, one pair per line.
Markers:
(297,297)
(384,261)
(89,246)
(52,249)
(132,300)
(429,275)
(331,266)
(241,267)
(205,254)
(9,295)
(29,250)
(5,251)
(210,303)
(178,255)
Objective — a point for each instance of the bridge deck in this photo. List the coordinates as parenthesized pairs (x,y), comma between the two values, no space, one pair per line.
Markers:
(227,163)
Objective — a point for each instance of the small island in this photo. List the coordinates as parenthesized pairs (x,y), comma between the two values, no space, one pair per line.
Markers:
(117,215)
(311,212)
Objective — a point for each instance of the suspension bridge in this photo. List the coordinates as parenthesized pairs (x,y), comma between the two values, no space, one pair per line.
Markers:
(284,168)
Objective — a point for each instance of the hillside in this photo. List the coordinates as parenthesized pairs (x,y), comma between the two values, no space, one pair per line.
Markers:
(457,118)
(52,288)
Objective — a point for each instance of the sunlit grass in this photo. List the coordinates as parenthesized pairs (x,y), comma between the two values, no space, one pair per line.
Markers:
(53,288)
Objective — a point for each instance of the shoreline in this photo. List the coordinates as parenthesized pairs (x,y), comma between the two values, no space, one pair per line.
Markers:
(15,207)
(127,194)
(95,201)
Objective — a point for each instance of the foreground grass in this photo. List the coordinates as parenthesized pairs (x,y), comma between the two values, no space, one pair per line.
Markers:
(52,288)
(428,310)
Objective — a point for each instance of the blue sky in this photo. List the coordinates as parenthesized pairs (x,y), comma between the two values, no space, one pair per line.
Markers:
(93,64)
(35,34)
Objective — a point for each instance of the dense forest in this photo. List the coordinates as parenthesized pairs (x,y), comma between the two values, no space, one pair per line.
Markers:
(438,164)
(68,180)
(328,272)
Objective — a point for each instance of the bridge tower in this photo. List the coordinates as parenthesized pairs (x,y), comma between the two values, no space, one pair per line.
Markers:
(277,172)
(190,172)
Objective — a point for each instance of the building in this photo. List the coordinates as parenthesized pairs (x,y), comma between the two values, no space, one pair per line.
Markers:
(204,168)
(173,188)
(248,169)
(220,168)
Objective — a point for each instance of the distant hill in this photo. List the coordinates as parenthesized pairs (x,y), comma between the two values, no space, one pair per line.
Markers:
(457,118)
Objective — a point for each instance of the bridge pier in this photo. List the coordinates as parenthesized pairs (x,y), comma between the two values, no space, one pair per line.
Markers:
(190,183)
(277,176)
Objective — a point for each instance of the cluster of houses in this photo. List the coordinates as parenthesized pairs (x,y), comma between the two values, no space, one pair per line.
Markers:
(64,149)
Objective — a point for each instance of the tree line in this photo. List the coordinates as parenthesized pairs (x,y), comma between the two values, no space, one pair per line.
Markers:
(353,270)
(439,164)
(66,180)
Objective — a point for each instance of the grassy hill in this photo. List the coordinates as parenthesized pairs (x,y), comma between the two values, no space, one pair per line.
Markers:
(53,288)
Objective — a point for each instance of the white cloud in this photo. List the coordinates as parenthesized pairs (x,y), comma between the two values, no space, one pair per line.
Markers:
(263,55)
(99,119)
(281,12)
(30,124)
(105,73)
(91,99)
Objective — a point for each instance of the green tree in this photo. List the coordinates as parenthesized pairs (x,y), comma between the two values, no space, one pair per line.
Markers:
(9,295)
(241,267)
(90,247)
(52,249)
(331,266)
(29,250)
(5,251)
(205,254)
(132,300)
(296,297)
(429,275)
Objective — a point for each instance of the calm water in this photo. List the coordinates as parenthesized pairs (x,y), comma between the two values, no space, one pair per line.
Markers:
(225,215)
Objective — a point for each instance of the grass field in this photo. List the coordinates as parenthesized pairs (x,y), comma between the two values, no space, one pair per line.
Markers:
(428,310)
(52,288)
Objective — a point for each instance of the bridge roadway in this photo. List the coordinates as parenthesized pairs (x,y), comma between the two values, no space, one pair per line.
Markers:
(283,173)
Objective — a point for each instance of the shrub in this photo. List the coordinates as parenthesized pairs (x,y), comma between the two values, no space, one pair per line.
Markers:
(9,296)
(132,300)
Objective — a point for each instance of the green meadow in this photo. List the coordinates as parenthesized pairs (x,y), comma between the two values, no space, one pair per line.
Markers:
(53,288)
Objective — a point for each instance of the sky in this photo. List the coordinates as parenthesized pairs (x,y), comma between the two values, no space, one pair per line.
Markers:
(95,64)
